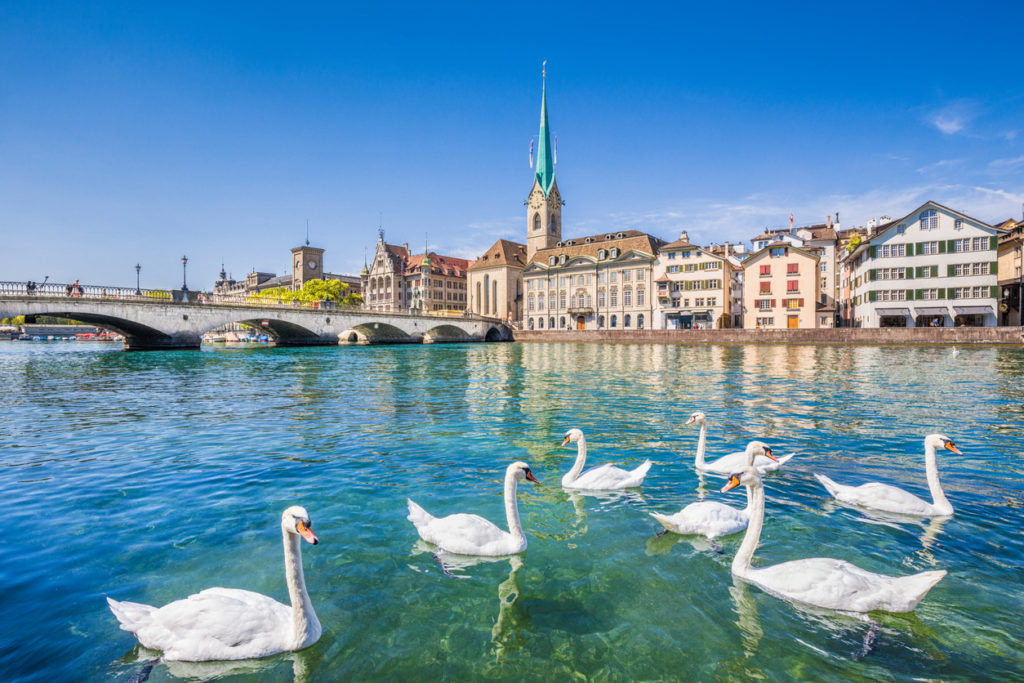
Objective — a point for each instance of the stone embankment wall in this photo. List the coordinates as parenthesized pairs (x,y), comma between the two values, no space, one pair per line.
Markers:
(835,335)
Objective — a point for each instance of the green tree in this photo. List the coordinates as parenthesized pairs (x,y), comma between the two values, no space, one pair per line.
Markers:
(312,290)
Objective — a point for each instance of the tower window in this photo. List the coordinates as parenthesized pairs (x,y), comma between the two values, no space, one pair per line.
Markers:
(536,222)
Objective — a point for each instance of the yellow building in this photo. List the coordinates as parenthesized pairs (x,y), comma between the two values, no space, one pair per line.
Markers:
(780,288)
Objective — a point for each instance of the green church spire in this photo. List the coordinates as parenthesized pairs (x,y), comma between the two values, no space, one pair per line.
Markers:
(545,160)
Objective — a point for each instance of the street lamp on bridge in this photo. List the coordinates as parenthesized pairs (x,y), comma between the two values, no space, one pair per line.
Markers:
(184,284)
(138,289)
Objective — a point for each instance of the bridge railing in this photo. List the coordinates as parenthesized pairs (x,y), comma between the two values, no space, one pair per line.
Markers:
(58,290)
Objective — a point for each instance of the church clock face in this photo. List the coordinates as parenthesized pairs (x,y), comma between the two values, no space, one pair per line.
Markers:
(312,265)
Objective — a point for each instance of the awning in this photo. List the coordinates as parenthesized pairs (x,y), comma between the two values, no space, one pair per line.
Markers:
(970,310)
(940,310)
(892,311)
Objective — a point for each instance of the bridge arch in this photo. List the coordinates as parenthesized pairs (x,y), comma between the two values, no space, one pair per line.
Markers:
(380,333)
(443,334)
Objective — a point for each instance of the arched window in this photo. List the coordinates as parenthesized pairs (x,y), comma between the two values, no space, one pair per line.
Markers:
(625,320)
(561,323)
(551,260)
(600,321)
(494,297)
(551,323)
(613,321)
(487,282)
(536,222)
(640,321)
(553,224)
(540,323)
(477,302)
(602,254)
(561,260)
(531,323)
(615,252)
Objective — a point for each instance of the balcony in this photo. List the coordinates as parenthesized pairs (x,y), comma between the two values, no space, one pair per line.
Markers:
(580,310)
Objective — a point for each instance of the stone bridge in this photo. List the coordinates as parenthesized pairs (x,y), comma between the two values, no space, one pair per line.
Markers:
(154,324)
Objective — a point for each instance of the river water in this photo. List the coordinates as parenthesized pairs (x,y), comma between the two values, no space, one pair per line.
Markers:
(150,476)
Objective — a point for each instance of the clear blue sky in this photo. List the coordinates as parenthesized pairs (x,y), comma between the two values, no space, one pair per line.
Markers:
(139,132)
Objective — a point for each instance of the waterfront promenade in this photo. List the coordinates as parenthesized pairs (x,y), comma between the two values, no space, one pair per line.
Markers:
(832,335)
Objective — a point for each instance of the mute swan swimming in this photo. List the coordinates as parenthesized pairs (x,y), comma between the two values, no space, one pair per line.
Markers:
(601,478)
(464,534)
(734,461)
(711,518)
(822,581)
(893,499)
(227,623)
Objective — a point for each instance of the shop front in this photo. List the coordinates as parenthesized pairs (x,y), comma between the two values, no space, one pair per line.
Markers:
(893,317)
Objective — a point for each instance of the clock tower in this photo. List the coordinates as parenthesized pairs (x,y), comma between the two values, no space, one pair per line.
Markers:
(544,205)
(307,264)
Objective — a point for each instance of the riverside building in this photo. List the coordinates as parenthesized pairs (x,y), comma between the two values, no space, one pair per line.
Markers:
(695,287)
(399,281)
(934,267)
(780,288)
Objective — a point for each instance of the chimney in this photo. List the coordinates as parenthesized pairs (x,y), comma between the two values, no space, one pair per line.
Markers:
(405,245)
(726,245)
(828,221)
(684,236)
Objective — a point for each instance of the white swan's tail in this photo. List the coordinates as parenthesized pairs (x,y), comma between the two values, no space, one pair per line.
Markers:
(639,473)
(417,515)
(786,458)
(664,520)
(914,587)
(132,615)
(832,487)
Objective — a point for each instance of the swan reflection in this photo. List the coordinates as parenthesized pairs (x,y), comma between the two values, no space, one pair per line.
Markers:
(929,531)
(302,663)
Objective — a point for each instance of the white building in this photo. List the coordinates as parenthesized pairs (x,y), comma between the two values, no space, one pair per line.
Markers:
(933,267)
(695,287)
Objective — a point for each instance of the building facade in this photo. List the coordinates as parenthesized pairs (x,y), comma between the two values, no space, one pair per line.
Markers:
(495,282)
(694,287)
(934,267)
(780,288)
(1011,279)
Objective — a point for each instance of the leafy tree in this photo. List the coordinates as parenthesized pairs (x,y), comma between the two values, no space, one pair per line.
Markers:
(854,242)
(312,290)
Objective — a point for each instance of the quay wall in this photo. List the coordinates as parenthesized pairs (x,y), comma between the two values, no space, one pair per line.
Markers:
(833,335)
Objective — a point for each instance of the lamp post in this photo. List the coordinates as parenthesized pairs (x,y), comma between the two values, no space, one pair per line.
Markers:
(138,289)
(184,283)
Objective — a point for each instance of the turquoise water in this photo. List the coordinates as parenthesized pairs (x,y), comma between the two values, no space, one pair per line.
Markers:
(149,476)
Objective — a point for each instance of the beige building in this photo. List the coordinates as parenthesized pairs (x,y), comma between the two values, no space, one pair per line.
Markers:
(495,281)
(307,264)
(1010,262)
(595,282)
(780,288)
(694,287)
(396,280)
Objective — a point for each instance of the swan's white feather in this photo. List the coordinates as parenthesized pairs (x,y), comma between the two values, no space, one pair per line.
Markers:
(606,477)
(464,534)
(705,518)
(734,462)
(879,496)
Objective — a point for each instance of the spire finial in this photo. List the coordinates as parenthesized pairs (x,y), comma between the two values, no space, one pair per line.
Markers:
(307,232)
(544,69)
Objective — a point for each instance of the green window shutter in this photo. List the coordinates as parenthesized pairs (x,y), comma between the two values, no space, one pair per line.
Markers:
(993,291)
(942,292)
(918,294)
(994,268)
(993,243)
(919,248)
(935,271)
(909,273)
(946,245)
(920,271)
(910,295)
(871,252)
(871,275)
(950,270)
(872,295)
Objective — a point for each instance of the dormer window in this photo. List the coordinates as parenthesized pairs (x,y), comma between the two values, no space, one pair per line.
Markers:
(929,220)
(602,254)
(608,237)
(561,260)
(615,252)
(551,260)
(621,235)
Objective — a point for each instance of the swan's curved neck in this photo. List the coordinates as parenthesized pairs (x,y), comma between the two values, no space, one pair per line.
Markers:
(581,459)
(512,508)
(698,462)
(741,563)
(931,469)
(306,625)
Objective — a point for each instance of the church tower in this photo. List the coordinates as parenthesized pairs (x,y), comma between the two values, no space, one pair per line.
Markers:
(544,206)
(307,264)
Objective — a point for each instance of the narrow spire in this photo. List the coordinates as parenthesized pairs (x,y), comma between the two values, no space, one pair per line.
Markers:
(307,232)
(545,173)
(426,252)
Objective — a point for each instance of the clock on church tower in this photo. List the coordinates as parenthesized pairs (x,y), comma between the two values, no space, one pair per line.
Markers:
(307,264)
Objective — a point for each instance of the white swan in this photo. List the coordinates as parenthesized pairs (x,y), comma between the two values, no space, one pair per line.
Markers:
(464,534)
(734,461)
(601,478)
(893,499)
(711,518)
(226,623)
(822,581)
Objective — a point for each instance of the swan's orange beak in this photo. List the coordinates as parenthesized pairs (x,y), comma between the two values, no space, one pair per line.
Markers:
(768,452)
(565,440)
(691,420)
(530,477)
(951,447)
(307,533)
(733,482)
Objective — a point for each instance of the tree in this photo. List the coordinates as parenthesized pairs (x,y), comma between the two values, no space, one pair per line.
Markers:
(312,290)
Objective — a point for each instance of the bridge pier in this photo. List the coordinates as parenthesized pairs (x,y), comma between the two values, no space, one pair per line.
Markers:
(165,343)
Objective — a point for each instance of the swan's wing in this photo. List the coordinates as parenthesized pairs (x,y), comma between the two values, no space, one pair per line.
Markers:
(597,477)
(464,534)
(884,497)
(727,464)
(765,464)
(218,623)
(836,584)
(706,518)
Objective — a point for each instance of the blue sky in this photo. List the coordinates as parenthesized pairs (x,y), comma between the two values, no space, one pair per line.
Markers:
(139,132)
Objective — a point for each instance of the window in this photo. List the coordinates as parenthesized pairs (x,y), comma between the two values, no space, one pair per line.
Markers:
(551,323)
(929,220)
(561,300)
(778,252)
(601,277)
(551,260)
(900,229)
(626,320)
(540,302)
(765,322)
(927,294)
(961,269)
(712,301)
(892,250)
(614,276)
(673,269)
(551,301)
(627,298)
(958,224)
(529,306)
(561,323)
(561,260)
(792,285)
(615,298)
(572,301)
(792,268)
(602,254)
(823,264)
(686,254)
(600,299)
(640,321)
(531,323)
(615,252)
(764,304)
(766,270)
(536,224)
(766,288)
(589,301)
(614,320)
(540,323)
(671,255)
(640,298)
(600,321)
(699,303)
(930,248)
(626,275)
(792,304)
